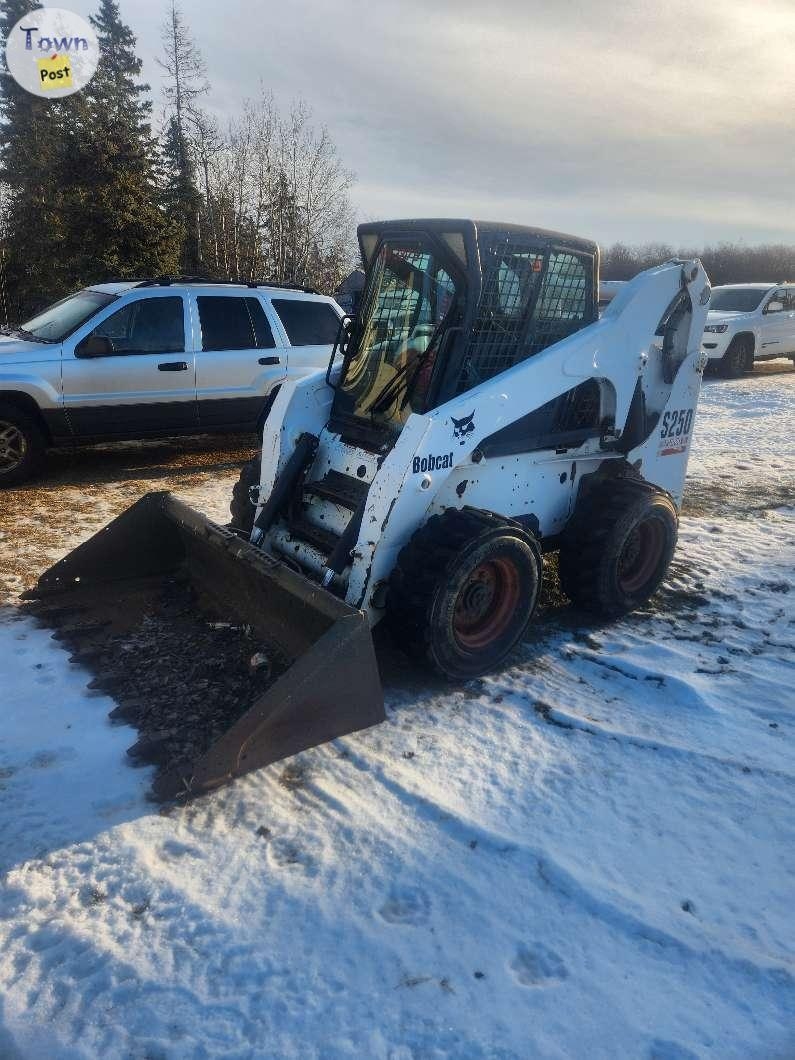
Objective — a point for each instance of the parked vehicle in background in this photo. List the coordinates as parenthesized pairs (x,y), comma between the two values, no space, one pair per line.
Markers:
(749,322)
(608,289)
(153,359)
(349,292)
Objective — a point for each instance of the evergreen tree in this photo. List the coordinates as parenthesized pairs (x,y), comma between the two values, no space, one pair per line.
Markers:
(83,202)
(118,228)
(181,198)
(186,82)
(30,158)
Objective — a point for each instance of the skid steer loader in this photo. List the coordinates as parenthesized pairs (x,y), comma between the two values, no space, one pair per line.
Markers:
(477,415)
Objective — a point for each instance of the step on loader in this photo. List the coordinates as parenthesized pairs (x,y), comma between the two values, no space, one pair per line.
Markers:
(477,414)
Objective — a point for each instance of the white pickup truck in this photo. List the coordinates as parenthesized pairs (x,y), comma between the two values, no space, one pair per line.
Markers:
(151,359)
(749,322)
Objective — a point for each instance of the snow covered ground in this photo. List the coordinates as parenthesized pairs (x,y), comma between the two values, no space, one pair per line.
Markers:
(591,854)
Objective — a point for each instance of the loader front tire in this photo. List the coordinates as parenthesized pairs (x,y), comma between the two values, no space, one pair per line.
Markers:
(463,592)
(240,508)
(618,547)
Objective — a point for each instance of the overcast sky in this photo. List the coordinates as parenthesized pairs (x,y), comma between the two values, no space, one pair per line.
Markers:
(637,121)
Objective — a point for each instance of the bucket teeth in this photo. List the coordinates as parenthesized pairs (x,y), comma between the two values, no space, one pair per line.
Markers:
(130,710)
(108,683)
(56,616)
(84,629)
(151,749)
(86,658)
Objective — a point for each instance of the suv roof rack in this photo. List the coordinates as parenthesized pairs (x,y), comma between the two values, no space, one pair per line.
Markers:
(282,285)
(167,281)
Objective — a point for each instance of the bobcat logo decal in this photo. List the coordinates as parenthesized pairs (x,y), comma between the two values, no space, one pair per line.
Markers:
(463,427)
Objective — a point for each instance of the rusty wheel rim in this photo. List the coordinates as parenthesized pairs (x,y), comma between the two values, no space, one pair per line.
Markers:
(12,447)
(486,604)
(641,555)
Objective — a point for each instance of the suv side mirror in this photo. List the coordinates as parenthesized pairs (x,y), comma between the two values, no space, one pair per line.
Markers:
(774,307)
(94,346)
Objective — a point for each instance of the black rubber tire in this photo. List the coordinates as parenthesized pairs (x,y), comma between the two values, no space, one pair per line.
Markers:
(620,520)
(739,358)
(241,509)
(33,442)
(461,556)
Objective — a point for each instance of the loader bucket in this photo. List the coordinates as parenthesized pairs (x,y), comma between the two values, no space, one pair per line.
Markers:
(223,657)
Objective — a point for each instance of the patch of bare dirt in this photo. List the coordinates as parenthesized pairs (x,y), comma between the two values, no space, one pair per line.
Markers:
(83,489)
(744,497)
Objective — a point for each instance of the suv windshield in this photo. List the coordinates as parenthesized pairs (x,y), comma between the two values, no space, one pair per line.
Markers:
(736,299)
(410,295)
(62,318)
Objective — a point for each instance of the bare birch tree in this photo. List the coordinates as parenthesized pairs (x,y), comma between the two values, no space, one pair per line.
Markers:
(186,82)
(276,198)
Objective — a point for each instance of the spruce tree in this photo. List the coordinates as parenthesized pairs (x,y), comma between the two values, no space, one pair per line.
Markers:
(84,205)
(109,178)
(181,197)
(30,160)
(185,82)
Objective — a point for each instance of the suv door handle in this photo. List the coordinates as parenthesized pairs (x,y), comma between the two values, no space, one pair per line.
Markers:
(173,366)
(268,360)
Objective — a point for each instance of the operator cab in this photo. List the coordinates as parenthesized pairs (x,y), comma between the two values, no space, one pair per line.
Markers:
(447,304)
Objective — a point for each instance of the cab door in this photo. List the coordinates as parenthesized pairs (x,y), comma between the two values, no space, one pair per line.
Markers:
(238,361)
(131,375)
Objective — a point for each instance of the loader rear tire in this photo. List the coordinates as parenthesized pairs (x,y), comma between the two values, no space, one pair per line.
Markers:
(618,547)
(463,592)
(240,508)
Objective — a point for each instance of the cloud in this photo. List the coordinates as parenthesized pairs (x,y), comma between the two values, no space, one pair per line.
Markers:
(618,120)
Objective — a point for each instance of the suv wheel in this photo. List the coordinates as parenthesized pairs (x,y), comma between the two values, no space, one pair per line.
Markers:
(22,446)
(739,358)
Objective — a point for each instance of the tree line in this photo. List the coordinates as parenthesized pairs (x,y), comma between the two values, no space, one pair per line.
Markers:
(725,262)
(91,191)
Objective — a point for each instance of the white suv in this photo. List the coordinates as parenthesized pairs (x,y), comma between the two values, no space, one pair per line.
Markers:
(153,359)
(749,322)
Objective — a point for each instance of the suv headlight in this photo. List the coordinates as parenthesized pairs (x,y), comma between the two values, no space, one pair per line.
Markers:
(717,329)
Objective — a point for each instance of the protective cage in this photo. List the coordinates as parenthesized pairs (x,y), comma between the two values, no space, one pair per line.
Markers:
(329,685)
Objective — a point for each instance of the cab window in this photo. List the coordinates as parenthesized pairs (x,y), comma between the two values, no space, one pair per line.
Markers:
(530,301)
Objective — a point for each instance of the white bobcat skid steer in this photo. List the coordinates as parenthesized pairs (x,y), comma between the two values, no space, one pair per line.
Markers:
(481,415)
